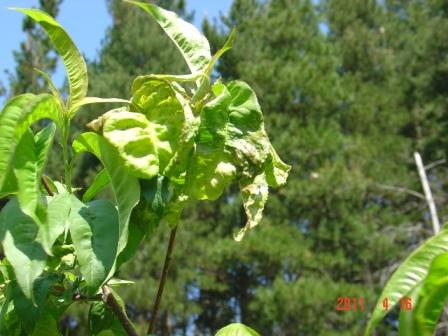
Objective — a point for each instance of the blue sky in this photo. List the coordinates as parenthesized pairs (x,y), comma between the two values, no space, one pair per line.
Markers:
(85,21)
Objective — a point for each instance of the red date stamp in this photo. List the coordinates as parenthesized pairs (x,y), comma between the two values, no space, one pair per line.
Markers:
(350,304)
(358,303)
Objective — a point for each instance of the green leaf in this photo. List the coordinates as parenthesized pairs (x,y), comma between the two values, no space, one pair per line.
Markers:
(15,118)
(48,323)
(94,228)
(119,282)
(146,140)
(406,326)
(101,181)
(255,195)
(18,236)
(9,320)
(226,47)
(10,116)
(58,210)
(231,141)
(409,274)
(30,312)
(29,161)
(276,170)
(74,63)
(237,329)
(125,186)
(102,321)
(433,296)
(192,44)
(135,139)
(55,92)
(246,134)
(211,169)
(95,100)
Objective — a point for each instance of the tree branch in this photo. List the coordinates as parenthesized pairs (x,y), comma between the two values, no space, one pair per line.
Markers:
(401,189)
(428,193)
(166,264)
(82,297)
(112,302)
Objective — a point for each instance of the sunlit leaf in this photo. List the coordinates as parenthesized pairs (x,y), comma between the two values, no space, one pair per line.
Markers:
(211,168)
(29,161)
(74,63)
(276,170)
(255,195)
(18,236)
(94,228)
(409,274)
(237,329)
(192,44)
(432,296)
(58,209)
(15,118)
(95,100)
(101,181)
(406,326)
(125,186)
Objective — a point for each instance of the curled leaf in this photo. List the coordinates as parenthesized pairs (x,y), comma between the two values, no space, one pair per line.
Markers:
(191,43)
(73,61)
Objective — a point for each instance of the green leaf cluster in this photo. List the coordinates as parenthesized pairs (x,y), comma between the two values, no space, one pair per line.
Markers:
(179,138)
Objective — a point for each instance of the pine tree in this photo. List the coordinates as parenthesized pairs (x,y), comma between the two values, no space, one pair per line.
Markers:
(333,114)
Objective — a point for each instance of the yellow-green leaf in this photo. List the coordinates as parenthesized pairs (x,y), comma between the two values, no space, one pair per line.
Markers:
(192,44)
(74,63)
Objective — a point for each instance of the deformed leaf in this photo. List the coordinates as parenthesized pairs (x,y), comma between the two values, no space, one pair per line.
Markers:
(192,44)
(276,170)
(211,168)
(246,135)
(73,61)
(135,139)
(255,195)
(94,228)
(147,139)
(18,234)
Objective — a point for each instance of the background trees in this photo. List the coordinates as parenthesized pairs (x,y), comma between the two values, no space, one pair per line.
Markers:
(350,89)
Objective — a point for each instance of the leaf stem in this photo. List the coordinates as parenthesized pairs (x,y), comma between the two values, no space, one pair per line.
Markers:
(67,165)
(166,264)
(110,300)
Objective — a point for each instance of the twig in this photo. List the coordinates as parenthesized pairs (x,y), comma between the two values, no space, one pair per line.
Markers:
(401,189)
(46,185)
(110,300)
(434,164)
(82,297)
(166,264)
(428,194)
